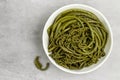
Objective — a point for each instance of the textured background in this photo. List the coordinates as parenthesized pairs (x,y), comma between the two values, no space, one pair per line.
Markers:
(21,25)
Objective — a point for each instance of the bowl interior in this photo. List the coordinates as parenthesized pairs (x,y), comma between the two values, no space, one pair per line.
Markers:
(102,19)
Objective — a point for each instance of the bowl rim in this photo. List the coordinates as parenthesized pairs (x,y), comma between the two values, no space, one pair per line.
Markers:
(109,29)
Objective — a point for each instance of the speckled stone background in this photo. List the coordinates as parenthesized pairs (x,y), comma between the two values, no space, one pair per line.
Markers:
(21,26)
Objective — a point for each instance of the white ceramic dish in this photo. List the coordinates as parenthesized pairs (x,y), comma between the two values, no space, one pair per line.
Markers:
(108,47)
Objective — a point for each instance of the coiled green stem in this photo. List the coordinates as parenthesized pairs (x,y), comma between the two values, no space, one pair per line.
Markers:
(39,65)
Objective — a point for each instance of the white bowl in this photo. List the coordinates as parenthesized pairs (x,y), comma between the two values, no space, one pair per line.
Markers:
(108,47)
